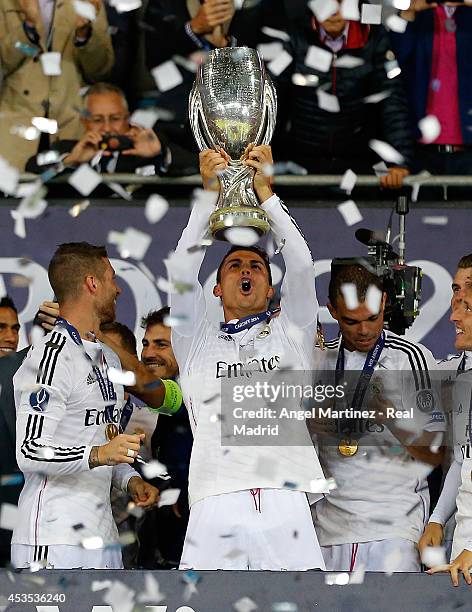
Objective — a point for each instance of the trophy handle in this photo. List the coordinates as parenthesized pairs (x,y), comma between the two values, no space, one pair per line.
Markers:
(267,127)
(195,111)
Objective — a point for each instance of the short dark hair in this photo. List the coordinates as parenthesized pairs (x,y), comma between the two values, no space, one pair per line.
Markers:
(253,249)
(465,261)
(71,262)
(155,317)
(356,274)
(127,337)
(7,302)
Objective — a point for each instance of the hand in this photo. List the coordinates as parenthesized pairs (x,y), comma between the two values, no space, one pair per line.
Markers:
(211,14)
(432,536)
(82,25)
(211,164)
(146,143)
(142,493)
(31,12)
(394,178)
(260,158)
(116,451)
(84,150)
(48,313)
(462,563)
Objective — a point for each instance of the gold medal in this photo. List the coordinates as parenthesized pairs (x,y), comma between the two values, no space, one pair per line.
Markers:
(348,448)
(111,431)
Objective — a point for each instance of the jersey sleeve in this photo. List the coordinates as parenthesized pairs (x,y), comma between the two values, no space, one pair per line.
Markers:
(42,387)
(299,302)
(121,475)
(446,505)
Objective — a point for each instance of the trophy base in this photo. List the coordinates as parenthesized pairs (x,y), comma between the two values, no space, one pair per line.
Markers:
(238,216)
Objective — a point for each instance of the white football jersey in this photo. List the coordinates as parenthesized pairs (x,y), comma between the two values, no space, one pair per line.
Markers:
(207,356)
(382,491)
(61,414)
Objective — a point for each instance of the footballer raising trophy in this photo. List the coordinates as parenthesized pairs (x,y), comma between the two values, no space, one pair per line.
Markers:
(233,104)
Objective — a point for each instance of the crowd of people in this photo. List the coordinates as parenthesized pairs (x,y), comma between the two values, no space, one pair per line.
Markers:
(347,493)
(345,77)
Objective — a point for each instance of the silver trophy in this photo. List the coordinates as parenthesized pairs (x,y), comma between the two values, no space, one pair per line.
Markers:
(233,104)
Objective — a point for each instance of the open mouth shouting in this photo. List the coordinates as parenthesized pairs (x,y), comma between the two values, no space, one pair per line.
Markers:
(246,286)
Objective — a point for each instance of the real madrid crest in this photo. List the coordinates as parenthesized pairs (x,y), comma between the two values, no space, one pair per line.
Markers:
(265,332)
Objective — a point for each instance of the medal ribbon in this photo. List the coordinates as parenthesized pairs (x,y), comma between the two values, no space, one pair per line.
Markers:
(248,322)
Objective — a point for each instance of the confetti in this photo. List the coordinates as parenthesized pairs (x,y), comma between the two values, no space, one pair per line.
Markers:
(273,33)
(48,157)
(48,126)
(19,228)
(134,510)
(395,23)
(33,205)
(327,101)
(145,117)
(131,243)
(386,151)
(357,576)
(51,63)
(322,485)
(380,169)
(8,516)
(349,291)
(280,63)
(242,236)
(430,128)
(376,97)
(349,61)
(168,497)
(85,10)
(84,179)
(146,170)
(245,604)
(305,80)
(348,181)
(8,177)
(124,6)
(435,220)
(340,579)
(350,10)
(350,213)
(79,208)
(270,51)
(167,76)
(171,321)
(3,289)
(155,208)
(121,377)
(318,58)
(433,556)
(28,132)
(371,14)
(373,299)
(393,561)
(323,9)
(152,592)
(154,469)
(284,606)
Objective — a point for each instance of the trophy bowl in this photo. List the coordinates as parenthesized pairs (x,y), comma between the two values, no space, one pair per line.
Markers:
(233,104)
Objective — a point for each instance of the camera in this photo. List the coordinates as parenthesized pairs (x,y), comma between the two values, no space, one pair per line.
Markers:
(116,142)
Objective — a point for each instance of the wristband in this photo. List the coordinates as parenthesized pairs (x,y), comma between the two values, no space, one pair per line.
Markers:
(172,399)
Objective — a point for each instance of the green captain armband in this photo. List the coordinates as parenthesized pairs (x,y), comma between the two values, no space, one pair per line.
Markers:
(172,399)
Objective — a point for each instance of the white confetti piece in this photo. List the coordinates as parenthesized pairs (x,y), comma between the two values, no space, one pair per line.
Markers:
(171,321)
(8,177)
(84,179)
(318,58)
(48,126)
(31,207)
(401,5)
(48,157)
(273,33)
(350,213)
(8,516)
(145,117)
(134,510)
(242,236)
(85,10)
(376,97)
(245,604)
(168,497)
(322,485)
(205,199)
(280,63)
(349,291)
(348,181)
(357,576)
(156,207)
(380,168)
(327,101)
(323,9)
(373,299)
(92,543)
(79,208)
(19,229)
(152,592)
(430,128)
(395,23)
(3,289)
(435,220)
(386,151)
(120,190)
(270,51)
(167,76)
(393,561)
(124,6)
(154,469)
(340,579)
(392,69)
(119,597)
(134,243)
(28,132)
(371,14)
(433,556)
(149,170)
(99,585)
(350,10)
(349,61)
(284,606)
(51,63)
(305,80)
(122,377)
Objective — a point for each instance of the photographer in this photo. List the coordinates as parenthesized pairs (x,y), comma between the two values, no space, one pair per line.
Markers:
(110,144)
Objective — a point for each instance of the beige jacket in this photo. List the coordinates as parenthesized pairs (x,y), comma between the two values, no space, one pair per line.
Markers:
(27,92)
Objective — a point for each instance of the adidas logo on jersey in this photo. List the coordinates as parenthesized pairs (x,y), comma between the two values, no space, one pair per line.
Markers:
(226,337)
(91,379)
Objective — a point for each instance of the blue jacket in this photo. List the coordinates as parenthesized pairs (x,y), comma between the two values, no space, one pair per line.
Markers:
(414,49)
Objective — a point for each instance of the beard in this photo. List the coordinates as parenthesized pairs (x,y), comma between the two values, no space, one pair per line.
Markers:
(107,312)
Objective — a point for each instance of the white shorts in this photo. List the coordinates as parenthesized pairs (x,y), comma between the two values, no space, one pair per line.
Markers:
(65,556)
(257,529)
(394,555)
